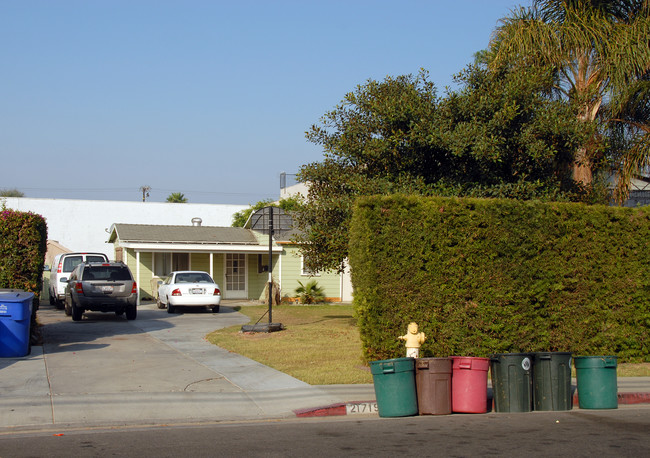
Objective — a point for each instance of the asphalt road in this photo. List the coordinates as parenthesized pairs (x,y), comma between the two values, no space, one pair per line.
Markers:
(622,432)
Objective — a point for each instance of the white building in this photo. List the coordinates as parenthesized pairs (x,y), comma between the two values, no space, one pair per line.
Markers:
(83,225)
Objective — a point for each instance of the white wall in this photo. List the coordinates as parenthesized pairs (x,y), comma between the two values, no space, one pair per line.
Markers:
(81,225)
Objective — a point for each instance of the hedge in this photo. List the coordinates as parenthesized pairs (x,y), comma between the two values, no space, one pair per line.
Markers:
(484,276)
(23,243)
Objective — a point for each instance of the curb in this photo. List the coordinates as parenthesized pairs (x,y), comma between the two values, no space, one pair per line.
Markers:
(340,409)
(370,407)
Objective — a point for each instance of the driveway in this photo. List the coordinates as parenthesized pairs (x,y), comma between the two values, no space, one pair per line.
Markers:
(158,368)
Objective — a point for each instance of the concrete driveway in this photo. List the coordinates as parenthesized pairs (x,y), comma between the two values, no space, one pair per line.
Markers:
(159,368)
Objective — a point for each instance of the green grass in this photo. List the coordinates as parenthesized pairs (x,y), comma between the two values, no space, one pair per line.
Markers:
(320,345)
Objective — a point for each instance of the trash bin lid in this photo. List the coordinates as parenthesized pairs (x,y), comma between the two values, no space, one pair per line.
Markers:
(589,362)
(387,366)
(16,297)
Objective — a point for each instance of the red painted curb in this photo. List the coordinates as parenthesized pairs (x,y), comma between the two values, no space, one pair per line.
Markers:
(634,398)
(341,409)
(327,411)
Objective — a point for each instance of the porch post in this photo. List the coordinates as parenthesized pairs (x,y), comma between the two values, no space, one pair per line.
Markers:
(137,273)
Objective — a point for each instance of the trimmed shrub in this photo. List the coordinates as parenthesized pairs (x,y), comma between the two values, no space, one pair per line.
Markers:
(483,276)
(23,243)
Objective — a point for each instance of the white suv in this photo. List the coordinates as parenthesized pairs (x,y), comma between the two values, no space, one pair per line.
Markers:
(61,267)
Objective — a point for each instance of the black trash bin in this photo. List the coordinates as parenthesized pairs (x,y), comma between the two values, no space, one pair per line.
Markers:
(512,382)
(552,381)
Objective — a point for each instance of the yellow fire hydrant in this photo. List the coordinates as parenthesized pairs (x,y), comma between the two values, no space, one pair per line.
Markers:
(413,340)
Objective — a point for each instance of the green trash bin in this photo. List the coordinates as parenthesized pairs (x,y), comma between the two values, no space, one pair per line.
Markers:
(552,381)
(596,378)
(512,382)
(394,381)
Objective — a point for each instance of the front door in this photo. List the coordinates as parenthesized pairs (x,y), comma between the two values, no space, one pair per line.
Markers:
(236,274)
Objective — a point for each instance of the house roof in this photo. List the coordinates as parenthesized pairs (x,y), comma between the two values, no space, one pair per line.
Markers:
(149,233)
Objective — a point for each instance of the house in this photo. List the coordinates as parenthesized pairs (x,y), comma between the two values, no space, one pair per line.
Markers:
(237,258)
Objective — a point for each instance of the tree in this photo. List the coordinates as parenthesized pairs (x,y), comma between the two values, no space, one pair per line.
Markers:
(629,129)
(11,193)
(310,292)
(596,48)
(240,218)
(376,141)
(177,197)
(500,135)
(508,136)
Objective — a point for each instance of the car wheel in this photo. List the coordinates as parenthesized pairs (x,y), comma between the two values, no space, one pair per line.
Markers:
(66,308)
(58,304)
(215,309)
(131,312)
(51,299)
(160,304)
(76,313)
(170,308)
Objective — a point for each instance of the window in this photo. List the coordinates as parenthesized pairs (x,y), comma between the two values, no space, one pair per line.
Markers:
(304,271)
(164,263)
(262,263)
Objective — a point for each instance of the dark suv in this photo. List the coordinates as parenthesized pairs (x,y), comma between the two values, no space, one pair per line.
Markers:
(101,287)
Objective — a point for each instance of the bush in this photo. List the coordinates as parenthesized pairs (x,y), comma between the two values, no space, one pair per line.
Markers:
(23,243)
(310,292)
(484,276)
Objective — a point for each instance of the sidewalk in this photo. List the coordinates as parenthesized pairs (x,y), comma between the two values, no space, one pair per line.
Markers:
(156,371)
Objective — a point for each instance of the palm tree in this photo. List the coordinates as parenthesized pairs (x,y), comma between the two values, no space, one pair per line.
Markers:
(177,197)
(597,48)
(310,292)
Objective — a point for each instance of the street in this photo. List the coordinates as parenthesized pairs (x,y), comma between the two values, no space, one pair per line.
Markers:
(576,433)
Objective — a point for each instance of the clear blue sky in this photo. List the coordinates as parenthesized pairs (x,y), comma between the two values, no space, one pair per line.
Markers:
(208,98)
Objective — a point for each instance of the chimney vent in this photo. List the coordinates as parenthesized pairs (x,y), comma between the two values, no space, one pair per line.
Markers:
(196,221)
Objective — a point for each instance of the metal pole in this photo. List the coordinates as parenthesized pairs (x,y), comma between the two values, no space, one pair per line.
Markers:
(270,265)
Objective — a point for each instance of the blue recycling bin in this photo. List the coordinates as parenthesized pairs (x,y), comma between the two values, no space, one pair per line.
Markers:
(15,322)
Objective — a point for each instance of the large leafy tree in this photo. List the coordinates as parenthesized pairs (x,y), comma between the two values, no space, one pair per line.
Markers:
(376,141)
(597,49)
(499,136)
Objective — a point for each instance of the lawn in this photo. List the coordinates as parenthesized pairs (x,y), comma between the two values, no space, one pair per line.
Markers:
(320,345)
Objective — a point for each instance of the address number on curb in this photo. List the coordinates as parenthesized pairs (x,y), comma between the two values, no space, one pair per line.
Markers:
(362,408)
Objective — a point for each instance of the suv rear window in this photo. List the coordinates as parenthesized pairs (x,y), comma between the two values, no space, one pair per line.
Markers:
(90,258)
(107,273)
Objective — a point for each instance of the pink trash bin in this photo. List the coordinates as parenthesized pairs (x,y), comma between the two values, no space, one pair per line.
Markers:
(469,384)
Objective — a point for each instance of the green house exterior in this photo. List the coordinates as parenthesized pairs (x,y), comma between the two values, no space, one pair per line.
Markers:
(237,259)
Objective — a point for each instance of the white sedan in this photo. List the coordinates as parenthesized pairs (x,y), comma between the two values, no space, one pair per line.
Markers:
(188,288)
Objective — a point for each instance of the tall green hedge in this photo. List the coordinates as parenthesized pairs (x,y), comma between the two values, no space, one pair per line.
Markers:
(484,276)
(23,243)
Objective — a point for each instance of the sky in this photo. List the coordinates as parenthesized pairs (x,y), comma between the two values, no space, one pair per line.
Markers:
(211,99)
